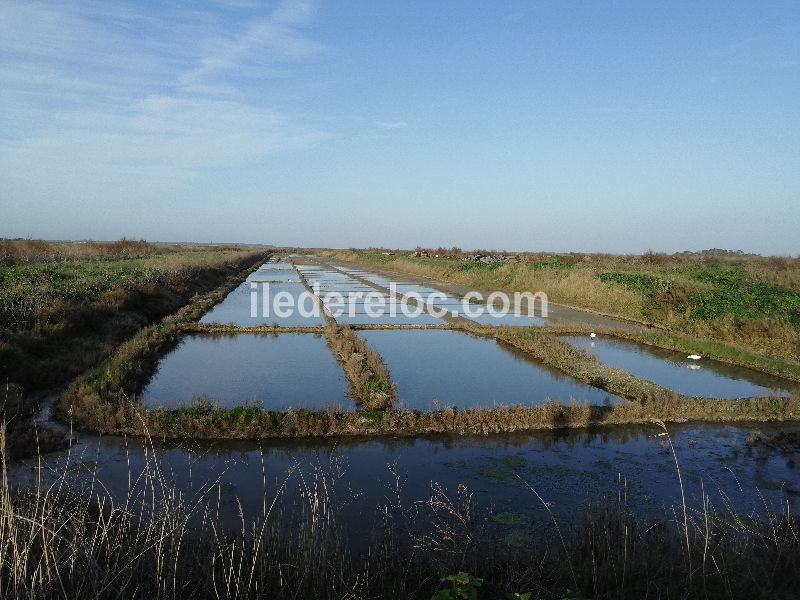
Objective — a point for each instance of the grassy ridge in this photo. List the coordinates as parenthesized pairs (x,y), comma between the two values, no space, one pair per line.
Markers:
(253,422)
(370,383)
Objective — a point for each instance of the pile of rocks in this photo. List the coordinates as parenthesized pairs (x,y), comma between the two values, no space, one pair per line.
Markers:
(491,258)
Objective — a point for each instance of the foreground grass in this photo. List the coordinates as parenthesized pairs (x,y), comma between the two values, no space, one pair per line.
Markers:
(752,302)
(58,540)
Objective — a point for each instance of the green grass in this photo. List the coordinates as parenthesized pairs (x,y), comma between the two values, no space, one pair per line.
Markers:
(507,518)
(35,294)
(518,539)
(751,301)
(498,474)
(722,291)
(642,283)
(735,294)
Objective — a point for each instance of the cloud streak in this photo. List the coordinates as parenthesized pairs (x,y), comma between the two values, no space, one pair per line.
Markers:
(80,82)
(391,124)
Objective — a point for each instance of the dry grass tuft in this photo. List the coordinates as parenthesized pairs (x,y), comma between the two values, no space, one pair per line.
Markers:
(369,378)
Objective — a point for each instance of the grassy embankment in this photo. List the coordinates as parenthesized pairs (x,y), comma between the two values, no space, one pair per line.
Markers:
(370,383)
(369,378)
(752,303)
(105,399)
(160,542)
(65,307)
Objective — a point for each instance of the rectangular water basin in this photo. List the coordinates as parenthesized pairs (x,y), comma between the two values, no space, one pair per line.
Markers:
(279,371)
(704,377)
(437,368)
(236,308)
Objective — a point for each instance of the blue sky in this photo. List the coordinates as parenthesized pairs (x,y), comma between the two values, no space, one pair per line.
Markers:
(592,126)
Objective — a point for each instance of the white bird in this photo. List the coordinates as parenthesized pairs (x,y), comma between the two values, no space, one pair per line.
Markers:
(694,357)
(593,335)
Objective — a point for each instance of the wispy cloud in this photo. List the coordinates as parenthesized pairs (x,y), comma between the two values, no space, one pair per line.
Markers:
(258,46)
(130,87)
(391,124)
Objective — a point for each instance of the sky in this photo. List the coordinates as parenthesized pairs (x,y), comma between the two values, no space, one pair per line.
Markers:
(541,125)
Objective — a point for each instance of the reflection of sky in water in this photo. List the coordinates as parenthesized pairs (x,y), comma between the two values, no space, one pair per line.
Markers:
(568,468)
(457,369)
(287,370)
(673,370)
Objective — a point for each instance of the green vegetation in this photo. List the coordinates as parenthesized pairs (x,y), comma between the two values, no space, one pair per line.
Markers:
(496,474)
(461,586)
(507,518)
(518,538)
(66,306)
(725,291)
(59,318)
(749,301)
(638,282)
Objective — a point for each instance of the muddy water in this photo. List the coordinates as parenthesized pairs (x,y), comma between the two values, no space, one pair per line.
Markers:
(673,370)
(439,368)
(288,370)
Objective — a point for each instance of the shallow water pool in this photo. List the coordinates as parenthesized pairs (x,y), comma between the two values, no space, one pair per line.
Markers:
(673,370)
(438,368)
(279,371)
